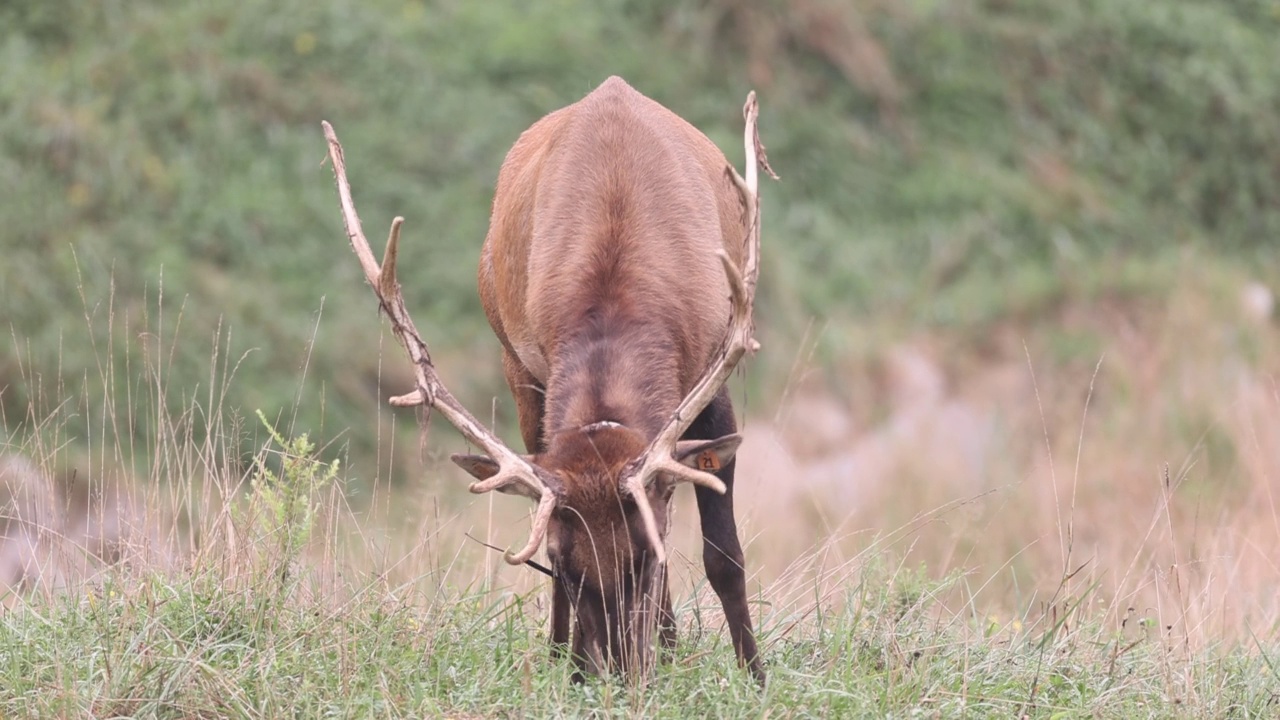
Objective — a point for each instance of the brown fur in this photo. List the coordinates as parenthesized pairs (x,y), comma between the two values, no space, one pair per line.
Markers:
(605,224)
(600,277)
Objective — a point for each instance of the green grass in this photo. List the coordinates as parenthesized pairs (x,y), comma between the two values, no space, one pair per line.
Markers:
(150,646)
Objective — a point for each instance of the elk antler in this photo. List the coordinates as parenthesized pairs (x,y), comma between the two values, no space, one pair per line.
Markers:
(515,474)
(657,458)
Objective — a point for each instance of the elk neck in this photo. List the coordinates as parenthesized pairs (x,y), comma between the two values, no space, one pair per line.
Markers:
(617,367)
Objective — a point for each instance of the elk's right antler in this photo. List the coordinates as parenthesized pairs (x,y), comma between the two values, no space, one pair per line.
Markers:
(657,458)
(515,474)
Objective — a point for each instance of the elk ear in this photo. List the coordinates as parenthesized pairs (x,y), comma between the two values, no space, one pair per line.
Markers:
(482,467)
(479,467)
(707,455)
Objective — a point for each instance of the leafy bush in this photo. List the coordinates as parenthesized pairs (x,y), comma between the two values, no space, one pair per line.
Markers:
(280,510)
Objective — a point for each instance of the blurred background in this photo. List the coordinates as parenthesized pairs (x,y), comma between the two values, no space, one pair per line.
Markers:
(1017,306)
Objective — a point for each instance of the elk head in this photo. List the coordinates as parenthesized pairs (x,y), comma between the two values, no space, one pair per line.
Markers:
(598,538)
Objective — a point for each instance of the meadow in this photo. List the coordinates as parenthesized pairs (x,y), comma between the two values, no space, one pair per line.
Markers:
(1011,441)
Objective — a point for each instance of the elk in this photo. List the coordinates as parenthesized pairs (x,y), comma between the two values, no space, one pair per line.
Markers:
(619,275)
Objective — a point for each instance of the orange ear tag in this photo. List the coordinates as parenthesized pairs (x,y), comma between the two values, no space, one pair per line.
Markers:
(708,461)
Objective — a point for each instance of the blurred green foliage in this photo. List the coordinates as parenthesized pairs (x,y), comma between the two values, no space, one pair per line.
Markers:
(948,162)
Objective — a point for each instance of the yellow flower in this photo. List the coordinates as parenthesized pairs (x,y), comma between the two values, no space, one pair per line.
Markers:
(304,43)
(79,195)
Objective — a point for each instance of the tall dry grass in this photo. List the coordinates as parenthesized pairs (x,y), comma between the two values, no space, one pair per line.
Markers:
(1123,451)
(1117,458)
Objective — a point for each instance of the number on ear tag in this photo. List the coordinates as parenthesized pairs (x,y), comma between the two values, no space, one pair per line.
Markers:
(708,461)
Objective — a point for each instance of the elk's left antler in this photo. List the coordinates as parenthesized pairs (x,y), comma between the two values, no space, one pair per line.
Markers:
(657,459)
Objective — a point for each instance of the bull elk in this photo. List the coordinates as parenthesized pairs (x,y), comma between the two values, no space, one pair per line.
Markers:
(619,274)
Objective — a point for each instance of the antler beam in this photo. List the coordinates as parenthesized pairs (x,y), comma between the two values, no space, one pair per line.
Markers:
(515,474)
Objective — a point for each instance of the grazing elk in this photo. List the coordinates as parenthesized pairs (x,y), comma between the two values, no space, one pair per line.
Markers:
(619,273)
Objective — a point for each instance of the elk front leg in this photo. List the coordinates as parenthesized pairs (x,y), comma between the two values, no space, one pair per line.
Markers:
(721,551)
(722,557)
(666,617)
(560,608)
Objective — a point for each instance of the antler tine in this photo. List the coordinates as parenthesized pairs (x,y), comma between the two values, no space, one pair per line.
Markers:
(635,484)
(541,519)
(738,341)
(512,468)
